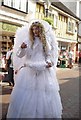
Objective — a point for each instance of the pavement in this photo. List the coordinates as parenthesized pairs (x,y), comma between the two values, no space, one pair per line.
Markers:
(69,81)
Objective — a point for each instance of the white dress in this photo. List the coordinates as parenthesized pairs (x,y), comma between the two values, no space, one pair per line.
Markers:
(36,90)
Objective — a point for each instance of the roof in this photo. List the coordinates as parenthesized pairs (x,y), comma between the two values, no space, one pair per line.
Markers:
(62,7)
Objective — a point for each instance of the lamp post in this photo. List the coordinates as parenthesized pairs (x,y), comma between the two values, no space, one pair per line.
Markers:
(47,5)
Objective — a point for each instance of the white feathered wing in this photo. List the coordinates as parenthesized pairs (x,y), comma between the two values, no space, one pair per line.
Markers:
(20,37)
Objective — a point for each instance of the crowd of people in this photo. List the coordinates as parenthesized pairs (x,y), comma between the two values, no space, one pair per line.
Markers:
(66,58)
(7,66)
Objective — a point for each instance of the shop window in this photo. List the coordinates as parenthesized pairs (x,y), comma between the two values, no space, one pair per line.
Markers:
(4,45)
(6,42)
(4,37)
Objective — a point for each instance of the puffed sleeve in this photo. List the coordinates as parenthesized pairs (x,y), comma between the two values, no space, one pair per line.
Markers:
(21,52)
(48,53)
(54,51)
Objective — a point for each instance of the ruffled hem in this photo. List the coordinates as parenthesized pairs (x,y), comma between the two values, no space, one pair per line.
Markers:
(35,96)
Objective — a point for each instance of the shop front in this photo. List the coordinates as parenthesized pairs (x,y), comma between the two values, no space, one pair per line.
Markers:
(64,48)
(7,32)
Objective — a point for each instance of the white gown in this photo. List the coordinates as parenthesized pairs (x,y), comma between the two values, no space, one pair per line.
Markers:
(36,90)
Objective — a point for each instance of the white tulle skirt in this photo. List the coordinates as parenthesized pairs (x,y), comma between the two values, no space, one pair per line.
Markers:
(35,95)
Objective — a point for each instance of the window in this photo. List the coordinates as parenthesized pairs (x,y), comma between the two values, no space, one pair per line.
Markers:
(52,16)
(70,26)
(55,19)
(39,11)
(21,5)
(39,8)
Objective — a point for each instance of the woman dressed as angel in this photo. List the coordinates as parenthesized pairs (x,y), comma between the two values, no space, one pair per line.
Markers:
(36,90)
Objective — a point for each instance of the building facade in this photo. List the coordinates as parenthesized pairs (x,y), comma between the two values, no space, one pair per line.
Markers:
(12,16)
(75,7)
(64,25)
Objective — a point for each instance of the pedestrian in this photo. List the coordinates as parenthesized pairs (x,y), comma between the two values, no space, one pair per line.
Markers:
(3,63)
(9,66)
(36,90)
(70,57)
(1,77)
(80,56)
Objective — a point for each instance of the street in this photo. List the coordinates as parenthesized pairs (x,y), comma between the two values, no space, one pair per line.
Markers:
(69,91)
(69,85)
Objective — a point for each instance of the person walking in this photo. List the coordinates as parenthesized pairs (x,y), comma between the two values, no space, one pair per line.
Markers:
(3,63)
(70,57)
(80,56)
(9,66)
(36,90)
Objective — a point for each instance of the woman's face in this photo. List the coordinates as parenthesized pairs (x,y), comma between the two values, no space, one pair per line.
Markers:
(35,30)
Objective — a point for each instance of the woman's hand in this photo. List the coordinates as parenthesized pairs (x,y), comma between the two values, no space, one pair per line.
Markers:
(24,45)
(49,64)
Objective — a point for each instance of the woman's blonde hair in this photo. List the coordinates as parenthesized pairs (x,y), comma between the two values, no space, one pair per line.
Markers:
(41,34)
